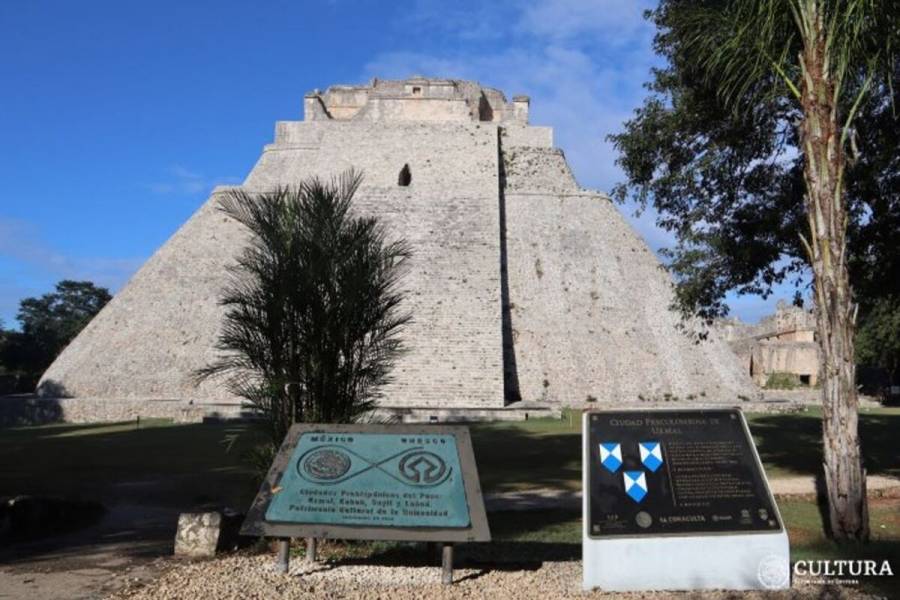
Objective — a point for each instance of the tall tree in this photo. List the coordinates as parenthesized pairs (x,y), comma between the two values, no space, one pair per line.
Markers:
(313,320)
(49,323)
(743,148)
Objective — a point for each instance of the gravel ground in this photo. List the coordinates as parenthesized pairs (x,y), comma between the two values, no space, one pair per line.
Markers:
(254,577)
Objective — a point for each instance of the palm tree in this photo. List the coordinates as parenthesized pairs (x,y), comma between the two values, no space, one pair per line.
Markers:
(828,54)
(313,320)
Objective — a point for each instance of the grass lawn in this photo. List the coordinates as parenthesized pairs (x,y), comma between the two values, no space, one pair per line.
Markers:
(547,452)
(156,462)
(186,465)
(194,464)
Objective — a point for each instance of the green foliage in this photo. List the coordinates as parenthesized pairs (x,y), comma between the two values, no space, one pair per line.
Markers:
(782,381)
(48,324)
(60,315)
(259,458)
(312,324)
(878,337)
(714,148)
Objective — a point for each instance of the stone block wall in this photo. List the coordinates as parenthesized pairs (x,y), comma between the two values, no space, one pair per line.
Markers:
(522,285)
(590,303)
(162,326)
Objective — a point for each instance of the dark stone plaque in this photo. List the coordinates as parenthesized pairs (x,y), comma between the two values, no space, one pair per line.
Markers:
(675,472)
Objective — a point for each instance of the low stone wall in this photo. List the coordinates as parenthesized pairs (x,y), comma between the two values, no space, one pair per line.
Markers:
(465,415)
(33,410)
(755,405)
(29,409)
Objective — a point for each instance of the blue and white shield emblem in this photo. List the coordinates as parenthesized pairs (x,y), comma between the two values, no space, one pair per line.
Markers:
(651,455)
(635,484)
(611,456)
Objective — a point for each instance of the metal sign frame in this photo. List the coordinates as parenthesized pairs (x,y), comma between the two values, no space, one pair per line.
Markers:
(478,531)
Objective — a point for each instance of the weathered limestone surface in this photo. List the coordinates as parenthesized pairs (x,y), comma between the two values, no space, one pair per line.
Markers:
(589,302)
(198,534)
(522,286)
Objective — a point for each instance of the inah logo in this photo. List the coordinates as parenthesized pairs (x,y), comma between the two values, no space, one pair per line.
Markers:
(773,572)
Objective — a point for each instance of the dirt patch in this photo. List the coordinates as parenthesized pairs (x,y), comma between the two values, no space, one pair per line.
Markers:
(126,546)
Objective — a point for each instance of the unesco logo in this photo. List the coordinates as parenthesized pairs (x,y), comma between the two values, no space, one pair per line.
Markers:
(422,467)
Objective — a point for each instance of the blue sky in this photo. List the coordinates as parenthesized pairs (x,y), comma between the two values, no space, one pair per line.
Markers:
(117,118)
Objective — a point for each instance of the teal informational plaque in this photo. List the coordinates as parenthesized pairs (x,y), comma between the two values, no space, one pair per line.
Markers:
(411,480)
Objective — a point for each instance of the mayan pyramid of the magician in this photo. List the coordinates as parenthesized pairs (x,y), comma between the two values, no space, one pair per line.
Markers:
(526,290)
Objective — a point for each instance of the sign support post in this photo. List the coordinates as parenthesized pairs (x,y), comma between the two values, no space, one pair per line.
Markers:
(447,564)
(284,555)
(311,544)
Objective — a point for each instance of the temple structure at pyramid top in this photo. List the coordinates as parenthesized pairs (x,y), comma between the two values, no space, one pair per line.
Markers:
(415,99)
(525,288)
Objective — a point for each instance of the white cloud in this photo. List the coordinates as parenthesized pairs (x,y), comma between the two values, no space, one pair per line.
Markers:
(182,181)
(582,62)
(582,102)
(469,22)
(614,21)
(21,243)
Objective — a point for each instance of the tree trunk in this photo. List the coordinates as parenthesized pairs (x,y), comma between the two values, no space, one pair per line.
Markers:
(823,170)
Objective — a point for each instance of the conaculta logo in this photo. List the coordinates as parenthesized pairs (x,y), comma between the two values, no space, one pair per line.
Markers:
(773,572)
(843,568)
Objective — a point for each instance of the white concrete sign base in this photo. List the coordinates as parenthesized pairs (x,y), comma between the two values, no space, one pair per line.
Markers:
(729,561)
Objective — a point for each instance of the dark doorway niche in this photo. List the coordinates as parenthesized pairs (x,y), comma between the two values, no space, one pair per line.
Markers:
(405,177)
(485,110)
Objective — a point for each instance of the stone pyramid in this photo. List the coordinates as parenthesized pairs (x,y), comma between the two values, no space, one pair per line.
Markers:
(523,286)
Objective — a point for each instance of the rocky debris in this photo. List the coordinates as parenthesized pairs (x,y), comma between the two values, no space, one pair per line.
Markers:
(24,518)
(202,534)
(246,576)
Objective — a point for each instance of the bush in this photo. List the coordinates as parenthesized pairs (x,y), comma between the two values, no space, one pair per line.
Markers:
(312,323)
(782,381)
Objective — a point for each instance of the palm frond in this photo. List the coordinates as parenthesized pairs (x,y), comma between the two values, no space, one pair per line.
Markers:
(313,303)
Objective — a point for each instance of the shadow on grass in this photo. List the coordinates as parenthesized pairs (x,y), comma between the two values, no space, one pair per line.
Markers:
(51,430)
(145,476)
(520,541)
(127,531)
(178,466)
(513,459)
(793,443)
(523,456)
